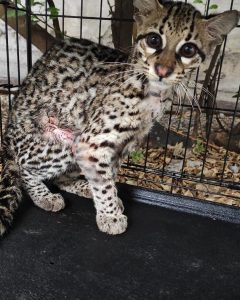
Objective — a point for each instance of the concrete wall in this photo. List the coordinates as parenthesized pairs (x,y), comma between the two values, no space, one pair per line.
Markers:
(90,29)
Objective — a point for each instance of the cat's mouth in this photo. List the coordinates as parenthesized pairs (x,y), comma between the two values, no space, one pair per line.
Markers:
(165,83)
(165,76)
(171,81)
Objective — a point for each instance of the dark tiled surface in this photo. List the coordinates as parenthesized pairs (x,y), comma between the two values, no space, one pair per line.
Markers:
(163,255)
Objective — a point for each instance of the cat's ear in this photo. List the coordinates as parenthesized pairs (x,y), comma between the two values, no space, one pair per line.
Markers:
(144,7)
(219,26)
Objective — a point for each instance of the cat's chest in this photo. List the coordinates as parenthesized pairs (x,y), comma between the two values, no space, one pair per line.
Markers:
(153,106)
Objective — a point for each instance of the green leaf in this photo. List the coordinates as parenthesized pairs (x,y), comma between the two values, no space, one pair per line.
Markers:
(12,13)
(53,12)
(21,13)
(213,6)
(197,1)
(137,156)
(198,148)
(34,19)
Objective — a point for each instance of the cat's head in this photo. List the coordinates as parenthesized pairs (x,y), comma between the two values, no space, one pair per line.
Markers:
(173,38)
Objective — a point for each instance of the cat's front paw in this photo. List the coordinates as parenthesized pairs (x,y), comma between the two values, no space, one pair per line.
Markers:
(112,224)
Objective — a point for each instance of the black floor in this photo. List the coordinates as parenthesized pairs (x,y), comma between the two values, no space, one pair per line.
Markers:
(163,255)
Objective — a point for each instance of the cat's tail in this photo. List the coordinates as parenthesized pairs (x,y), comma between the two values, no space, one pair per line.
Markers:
(10,190)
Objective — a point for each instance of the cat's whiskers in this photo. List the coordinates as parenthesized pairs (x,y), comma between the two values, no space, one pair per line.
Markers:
(115,64)
(179,97)
(119,73)
(190,96)
(120,78)
(134,75)
(182,87)
(120,63)
(135,66)
(122,72)
(194,99)
(134,72)
(200,87)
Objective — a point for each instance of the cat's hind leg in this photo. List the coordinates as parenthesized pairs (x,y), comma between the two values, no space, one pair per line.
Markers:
(79,187)
(40,194)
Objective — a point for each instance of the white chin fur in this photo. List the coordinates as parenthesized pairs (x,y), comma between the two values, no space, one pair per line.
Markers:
(157,86)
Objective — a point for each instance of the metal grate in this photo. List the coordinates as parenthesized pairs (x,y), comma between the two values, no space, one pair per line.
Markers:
(191,153)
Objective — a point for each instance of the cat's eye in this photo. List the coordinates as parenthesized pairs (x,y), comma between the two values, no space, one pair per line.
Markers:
(154,41)
(188,50)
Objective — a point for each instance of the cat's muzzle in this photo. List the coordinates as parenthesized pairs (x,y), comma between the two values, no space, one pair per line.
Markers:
(163,71)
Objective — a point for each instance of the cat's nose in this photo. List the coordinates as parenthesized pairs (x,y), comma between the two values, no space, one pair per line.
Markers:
(163,71)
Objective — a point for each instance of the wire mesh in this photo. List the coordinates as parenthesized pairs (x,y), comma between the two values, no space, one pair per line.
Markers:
(184,157)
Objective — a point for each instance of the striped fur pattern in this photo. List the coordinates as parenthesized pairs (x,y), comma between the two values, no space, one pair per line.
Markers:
(108,101)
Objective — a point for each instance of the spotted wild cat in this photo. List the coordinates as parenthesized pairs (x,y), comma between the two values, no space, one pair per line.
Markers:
(103,103)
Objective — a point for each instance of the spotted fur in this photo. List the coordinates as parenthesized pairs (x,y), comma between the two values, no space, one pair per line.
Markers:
(108,100)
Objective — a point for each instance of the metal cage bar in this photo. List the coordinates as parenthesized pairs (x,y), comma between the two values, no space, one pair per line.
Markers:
(161,174)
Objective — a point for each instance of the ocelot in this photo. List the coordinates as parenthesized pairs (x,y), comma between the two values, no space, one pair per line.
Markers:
(88,105)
